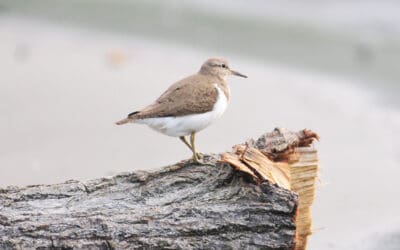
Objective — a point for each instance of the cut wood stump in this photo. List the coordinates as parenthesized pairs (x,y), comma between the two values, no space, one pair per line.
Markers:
(256,197)
(285,159)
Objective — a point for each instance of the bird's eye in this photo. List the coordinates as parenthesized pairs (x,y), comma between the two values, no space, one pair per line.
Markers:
(223,66)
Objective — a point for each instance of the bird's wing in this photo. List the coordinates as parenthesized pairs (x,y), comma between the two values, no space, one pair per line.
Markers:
(191,95)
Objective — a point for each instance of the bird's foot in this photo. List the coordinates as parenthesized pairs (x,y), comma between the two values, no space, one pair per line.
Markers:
(197,161)
(197,158)
(199,155)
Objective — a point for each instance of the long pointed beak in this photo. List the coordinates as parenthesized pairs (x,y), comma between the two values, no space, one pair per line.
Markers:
(238,74)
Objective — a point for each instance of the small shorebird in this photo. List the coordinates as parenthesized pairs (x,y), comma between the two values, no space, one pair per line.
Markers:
(190,104)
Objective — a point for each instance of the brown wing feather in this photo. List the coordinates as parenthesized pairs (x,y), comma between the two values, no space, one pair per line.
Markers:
(191,95)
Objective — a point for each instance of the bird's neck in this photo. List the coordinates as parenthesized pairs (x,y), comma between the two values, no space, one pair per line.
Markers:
(220,81)
(223,85)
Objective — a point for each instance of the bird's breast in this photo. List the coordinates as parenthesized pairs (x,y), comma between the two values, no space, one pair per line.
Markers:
(222,102)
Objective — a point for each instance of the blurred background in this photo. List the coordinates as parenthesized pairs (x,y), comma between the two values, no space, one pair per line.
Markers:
(70,69)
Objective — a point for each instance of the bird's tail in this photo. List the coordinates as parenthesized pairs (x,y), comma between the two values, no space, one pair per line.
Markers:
(123,121)
(130,118)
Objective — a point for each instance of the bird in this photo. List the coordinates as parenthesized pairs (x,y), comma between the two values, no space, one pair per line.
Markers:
(189,105)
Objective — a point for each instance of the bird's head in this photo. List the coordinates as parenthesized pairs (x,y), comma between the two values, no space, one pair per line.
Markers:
(218,67)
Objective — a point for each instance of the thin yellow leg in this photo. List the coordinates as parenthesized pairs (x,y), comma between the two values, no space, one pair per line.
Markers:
(195,154)
(186,142)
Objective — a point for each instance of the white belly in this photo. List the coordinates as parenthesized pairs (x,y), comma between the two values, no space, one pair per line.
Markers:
(185,125)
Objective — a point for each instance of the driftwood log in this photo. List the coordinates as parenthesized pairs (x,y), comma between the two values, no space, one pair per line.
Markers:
(184,206)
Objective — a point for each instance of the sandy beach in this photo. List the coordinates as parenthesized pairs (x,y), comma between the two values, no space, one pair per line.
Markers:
(62,88)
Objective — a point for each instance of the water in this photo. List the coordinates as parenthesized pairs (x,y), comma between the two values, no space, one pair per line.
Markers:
(66,79)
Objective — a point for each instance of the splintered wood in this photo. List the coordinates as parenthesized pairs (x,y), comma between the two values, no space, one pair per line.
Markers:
(253,162)
(303,174)
(286,159)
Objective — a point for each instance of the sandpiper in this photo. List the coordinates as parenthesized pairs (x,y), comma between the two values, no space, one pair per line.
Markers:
(190,104)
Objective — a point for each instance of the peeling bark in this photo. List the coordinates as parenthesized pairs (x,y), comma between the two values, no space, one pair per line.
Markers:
(280,144)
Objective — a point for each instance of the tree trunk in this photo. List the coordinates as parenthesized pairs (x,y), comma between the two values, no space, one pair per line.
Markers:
(184,206)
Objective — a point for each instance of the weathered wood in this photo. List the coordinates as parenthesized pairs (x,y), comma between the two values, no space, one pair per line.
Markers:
(283,158)
(184,206)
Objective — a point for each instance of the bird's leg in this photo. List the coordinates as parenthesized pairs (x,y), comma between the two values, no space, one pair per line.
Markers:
(196,155)
(186,142)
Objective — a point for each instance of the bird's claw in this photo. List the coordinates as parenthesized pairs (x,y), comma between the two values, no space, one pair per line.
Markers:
(196,158)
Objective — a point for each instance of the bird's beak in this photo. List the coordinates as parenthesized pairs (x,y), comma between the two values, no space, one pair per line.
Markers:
(238,74)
